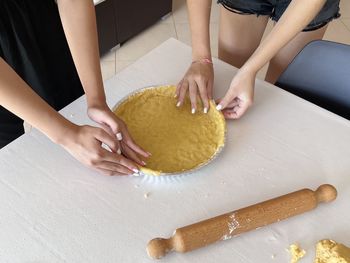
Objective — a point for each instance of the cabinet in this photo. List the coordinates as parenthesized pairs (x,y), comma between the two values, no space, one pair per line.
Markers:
(119,20)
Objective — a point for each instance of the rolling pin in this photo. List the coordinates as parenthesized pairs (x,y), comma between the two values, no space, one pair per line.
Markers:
(243,220)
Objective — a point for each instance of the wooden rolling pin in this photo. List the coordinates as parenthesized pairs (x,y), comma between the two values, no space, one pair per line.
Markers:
(237,222)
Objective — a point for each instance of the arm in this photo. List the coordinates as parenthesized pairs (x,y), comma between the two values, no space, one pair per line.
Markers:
(83,142)
(199,16)
(240,95)
(79,24)
(200,75)
(297,16)
(20,99)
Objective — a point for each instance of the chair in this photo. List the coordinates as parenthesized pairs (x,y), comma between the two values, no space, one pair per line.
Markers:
(320,73)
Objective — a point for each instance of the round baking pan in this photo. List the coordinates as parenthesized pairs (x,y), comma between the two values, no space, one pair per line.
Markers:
(149,171)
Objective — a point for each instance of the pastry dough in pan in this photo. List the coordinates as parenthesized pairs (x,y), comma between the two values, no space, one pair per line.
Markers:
(178,140)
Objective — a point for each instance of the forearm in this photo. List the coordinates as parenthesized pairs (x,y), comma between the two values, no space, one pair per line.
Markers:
(297,16)
(17,97)
(79,24)
(199,16)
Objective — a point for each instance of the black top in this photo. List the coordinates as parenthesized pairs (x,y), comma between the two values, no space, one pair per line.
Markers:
(33,43)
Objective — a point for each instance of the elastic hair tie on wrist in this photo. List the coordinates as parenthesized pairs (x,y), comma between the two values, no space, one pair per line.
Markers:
(203,60)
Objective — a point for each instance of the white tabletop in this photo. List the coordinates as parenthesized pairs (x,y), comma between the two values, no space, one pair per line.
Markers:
(53,209)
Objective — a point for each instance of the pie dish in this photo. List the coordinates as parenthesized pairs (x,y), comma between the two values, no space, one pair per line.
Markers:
(179,141)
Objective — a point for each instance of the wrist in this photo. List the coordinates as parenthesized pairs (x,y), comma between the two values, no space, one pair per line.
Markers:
(96,102)
(203,61)
(249,68)
(63,132)
(200,54)
(95,95)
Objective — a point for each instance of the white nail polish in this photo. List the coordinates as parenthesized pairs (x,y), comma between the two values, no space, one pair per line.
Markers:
(175,96)
(178,104)
(219,107)
(119,136)
(193,111)
(119,151)
(205,110)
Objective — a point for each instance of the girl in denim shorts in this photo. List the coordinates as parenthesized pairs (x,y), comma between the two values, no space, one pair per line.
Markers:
(241,28)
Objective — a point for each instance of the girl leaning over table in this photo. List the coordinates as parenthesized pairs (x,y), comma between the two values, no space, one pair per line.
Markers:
(242,25)
(48,58)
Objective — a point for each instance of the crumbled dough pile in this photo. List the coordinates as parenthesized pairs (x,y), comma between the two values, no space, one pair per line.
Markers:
(329,251)
(296,252)
(178,140)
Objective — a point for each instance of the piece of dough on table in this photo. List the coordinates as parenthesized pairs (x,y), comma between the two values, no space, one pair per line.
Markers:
(329,251)
(296,252)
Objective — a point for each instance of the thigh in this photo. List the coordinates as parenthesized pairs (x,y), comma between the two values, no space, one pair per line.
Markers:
(283,58)
(239,35)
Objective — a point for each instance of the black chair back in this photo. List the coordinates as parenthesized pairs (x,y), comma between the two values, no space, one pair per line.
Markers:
(320,73)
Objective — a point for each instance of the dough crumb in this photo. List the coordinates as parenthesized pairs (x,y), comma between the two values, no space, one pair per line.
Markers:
(296,252)
(146,195)
(329,251)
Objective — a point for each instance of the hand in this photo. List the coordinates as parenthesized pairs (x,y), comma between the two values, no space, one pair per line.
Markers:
(85,144)
(117,128)
(240,95)
(198,78)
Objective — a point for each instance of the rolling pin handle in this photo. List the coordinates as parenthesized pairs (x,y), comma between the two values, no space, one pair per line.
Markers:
(326,193)
(159,247)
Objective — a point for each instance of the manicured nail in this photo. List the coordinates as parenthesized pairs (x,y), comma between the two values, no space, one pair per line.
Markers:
(178,104)
(135,170)
(119,136)
(143,162)
(193,111)
(205,110)
(149,153)
(175,96)
(119,151)
(136,174)
(219,107)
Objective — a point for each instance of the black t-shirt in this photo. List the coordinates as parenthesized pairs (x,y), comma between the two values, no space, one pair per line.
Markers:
(33,43)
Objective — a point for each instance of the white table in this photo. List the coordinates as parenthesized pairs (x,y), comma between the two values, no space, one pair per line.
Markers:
(52,209)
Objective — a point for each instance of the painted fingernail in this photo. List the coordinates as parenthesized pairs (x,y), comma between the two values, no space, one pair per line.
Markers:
(205,110)
(193,111)
(119,136)
(219,107)
(175,96)
(149,153)
(135,170)
(143,162)
(178,104)
(119,151)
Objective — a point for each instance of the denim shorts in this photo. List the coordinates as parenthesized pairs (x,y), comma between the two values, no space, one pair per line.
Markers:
(275,9)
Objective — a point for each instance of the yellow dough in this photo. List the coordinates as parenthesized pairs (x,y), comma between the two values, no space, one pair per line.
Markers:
(296,252)
(178,140)
(329,251)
